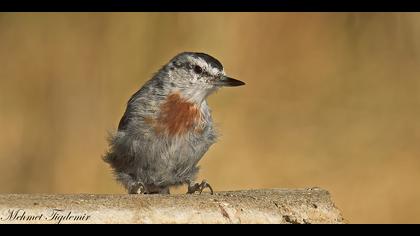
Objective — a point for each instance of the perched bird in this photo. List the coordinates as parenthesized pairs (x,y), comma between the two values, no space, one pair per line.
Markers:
(167,126)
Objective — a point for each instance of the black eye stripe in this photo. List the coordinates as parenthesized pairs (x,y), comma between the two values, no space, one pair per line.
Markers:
(191,66)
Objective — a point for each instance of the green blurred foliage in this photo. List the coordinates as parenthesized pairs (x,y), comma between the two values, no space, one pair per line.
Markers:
(332,100)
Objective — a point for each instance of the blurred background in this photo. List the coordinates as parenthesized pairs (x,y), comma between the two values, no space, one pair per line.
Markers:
(332,100)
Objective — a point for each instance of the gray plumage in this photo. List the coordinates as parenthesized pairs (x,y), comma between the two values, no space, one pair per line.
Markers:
(167,126)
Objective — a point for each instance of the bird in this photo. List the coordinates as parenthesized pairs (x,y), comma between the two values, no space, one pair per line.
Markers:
(167,127)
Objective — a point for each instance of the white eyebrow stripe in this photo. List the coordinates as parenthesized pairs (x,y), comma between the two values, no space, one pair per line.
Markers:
(203,64)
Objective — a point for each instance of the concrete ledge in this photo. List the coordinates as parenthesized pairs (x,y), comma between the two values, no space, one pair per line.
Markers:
(302,206)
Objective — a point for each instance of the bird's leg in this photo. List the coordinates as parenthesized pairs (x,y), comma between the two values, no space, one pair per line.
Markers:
(196,187)
(136,188)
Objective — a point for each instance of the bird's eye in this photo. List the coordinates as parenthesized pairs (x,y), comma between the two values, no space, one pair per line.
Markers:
(198,70)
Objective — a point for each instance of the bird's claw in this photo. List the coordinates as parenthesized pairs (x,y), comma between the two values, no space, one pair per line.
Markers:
(137,188)
(196,187)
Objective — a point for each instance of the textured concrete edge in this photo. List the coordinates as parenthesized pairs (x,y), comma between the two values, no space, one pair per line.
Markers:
(334,205)
(301,206)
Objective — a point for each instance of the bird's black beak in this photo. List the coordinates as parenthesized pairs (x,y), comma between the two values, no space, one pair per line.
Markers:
(229,82)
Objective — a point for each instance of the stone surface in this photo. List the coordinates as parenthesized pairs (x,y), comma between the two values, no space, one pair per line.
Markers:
(301,206)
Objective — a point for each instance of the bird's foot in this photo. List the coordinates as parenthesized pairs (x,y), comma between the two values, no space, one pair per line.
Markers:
(196,187)
(136,188)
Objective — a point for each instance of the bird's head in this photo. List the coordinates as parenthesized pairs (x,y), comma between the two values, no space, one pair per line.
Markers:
(196,75)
